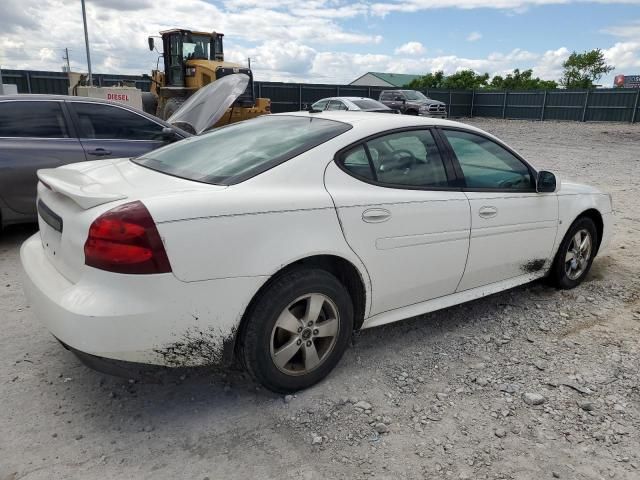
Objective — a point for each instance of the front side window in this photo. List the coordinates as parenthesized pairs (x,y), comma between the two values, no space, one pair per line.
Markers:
(32,119)
(196,47)
(408,158)
(242,150)
(485,164)
(100,121)
(320,105)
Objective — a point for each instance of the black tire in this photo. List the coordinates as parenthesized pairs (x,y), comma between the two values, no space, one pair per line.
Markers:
(411,112)
(149,103)
(172,105)
(258,334)
(558,275)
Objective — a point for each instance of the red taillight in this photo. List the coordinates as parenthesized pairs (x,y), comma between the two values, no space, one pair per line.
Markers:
(126,240)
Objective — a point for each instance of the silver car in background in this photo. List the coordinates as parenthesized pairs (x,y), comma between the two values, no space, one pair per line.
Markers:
(360,104)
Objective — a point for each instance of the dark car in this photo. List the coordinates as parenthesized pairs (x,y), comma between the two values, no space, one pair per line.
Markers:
(47,131)
(412,102)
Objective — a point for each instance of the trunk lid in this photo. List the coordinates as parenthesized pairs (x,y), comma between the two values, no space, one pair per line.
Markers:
(70,198)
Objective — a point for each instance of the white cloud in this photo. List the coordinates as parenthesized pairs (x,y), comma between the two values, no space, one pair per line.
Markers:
(624,56)
(410,48)
(518,6)
(628,30)
(474,37)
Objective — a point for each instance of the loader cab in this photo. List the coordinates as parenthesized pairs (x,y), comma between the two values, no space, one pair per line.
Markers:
(180,46)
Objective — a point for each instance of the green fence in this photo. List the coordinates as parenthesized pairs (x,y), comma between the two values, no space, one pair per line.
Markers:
(600,105)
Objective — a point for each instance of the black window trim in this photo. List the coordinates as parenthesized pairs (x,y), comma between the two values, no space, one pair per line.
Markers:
(461,181)
(448,166)
(76,120)
(72,134)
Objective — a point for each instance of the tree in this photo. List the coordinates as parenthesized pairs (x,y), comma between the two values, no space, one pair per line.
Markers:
(524,80)
(430,80)
(462,80)
(466,80)
(582,70)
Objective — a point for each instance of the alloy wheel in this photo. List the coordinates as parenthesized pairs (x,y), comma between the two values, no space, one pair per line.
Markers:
(304,334)
(576,259)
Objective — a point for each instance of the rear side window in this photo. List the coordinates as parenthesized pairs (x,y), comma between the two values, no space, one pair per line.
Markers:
(409,159)
(32,119)
(99,121)
(242,150)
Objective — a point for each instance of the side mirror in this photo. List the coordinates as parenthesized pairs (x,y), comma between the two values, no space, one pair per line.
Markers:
(151,43)
(169,135)
(546,182)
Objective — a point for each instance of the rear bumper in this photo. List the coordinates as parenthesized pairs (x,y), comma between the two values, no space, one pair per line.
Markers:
(149,319)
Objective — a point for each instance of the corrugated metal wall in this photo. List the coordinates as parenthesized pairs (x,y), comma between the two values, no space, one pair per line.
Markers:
(602,105)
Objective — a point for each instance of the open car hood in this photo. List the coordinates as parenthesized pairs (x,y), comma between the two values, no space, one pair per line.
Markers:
(205,107)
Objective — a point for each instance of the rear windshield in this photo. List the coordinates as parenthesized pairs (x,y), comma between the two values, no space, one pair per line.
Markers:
(369,104)
(240,151)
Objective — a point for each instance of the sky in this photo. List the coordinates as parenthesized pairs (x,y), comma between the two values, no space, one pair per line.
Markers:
(329,41)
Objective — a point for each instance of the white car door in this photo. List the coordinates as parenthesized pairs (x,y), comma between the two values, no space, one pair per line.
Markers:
(402,218)
(513,228)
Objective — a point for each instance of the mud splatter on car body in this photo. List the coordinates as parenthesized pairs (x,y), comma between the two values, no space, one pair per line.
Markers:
(533,265)
(199,347)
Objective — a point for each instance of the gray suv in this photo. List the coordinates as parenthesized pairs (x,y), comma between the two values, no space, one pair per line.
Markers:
(412,102)
(47,131)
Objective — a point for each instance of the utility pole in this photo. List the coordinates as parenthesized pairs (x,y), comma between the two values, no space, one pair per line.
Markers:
(249,62)
(66,57)
(86,41)
(1,87)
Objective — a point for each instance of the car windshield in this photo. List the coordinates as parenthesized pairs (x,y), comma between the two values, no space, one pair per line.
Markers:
(240,151)
(367,104)
(413,95)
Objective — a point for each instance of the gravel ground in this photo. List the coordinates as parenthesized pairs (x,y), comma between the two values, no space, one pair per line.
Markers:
(532,383)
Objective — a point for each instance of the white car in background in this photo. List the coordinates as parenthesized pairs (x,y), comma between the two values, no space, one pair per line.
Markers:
(355,104)
(272,240)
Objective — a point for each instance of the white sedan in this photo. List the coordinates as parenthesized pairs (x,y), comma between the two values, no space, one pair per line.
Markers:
(270,241)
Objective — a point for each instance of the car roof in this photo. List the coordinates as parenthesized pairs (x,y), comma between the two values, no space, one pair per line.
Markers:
(346,98)
(359,118)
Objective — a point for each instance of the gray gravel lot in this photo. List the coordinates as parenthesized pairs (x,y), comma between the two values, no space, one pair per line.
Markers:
(532,383)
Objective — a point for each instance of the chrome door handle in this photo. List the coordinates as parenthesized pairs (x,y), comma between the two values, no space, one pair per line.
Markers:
(376,215)
(488,212)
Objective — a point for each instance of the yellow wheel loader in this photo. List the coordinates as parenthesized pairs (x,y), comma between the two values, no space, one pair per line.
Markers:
(191,61)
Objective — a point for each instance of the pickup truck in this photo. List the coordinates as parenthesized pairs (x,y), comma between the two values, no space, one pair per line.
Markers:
(412,102)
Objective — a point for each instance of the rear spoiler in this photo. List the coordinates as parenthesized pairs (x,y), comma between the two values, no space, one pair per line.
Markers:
(80,188)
